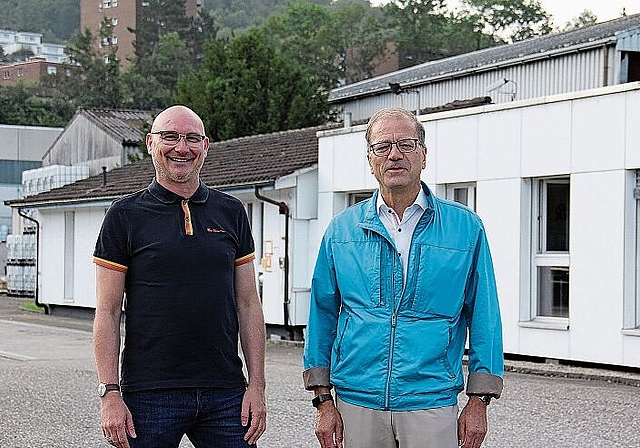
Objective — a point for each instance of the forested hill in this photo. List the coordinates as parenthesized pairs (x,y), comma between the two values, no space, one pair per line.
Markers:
(57,20)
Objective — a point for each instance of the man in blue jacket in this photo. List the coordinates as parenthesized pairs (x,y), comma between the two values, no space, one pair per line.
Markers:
(399,281)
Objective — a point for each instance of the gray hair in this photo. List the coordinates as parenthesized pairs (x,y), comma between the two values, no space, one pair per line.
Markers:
(395,112)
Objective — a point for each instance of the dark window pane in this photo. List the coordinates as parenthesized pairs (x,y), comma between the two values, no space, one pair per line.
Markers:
(461,195)
(557,217)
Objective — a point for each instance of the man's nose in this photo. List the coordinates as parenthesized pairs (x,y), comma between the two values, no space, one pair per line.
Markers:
(394,152)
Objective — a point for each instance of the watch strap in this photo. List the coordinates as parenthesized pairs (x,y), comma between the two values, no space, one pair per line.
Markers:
(104,388)
(486,399)
(321,398)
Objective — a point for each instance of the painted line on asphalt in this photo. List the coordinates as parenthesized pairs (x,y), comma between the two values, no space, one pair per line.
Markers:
(16,356)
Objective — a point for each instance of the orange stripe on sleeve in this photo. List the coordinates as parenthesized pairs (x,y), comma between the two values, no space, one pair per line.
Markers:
(246,259)
(109,264)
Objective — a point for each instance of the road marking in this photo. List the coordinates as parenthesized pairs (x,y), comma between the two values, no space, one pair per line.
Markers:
(16,356)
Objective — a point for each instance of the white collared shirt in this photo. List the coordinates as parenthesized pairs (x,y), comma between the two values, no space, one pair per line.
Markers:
(401,231)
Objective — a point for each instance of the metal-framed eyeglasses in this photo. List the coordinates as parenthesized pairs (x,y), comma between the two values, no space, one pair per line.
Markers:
(404,145)
(171,138)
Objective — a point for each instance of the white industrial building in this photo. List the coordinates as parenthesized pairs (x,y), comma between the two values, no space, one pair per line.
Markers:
(553,174)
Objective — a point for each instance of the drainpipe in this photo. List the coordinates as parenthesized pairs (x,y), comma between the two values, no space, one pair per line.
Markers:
(28,218)
(284,210)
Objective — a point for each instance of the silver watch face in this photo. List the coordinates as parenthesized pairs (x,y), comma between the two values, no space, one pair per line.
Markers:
(102,389)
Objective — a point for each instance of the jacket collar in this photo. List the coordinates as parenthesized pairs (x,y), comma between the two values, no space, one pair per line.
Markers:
(169,197)
(371,218)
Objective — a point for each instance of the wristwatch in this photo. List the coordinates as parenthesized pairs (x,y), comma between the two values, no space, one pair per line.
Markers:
(104,388)
(486,399)
(319,399)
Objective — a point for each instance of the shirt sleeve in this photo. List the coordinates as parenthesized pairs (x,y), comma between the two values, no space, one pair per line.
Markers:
(112,246)
(246,244)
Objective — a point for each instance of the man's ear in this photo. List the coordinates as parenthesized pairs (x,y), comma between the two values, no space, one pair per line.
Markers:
(148,140)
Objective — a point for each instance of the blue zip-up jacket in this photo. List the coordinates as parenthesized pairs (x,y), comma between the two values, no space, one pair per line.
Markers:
(388,346)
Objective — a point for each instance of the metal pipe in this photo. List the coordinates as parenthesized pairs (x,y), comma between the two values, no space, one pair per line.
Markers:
(36,292)
(284,210)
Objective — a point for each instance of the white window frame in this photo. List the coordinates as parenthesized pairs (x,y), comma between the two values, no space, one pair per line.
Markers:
(469,188)
(632,257)
(543,258)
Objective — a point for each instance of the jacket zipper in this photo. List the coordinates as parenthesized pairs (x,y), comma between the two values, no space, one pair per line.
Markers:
(394,321)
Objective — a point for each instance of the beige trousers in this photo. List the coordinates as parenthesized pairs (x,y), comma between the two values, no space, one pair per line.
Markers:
(368,428)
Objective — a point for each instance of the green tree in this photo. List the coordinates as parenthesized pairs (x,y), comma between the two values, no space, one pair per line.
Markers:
(362,38)
(419,29)
(246,87)
(511,20)
(307,34)
(95,81)
(159,17)
(151,82)
(25,106)
(586,17)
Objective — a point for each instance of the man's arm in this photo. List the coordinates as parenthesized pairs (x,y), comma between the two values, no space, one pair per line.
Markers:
(252,339)
(324,310)
(116,418)
(482,311)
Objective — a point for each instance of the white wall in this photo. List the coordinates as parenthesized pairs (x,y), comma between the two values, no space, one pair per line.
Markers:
(52,267)
(591,137)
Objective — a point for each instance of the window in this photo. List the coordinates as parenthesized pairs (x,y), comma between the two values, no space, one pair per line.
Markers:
(550,251)
(464,193)
(636,195)
(114,40)
(114,21)
(6,74)
(20,72)
(632,259)
(354,198)
(52,69)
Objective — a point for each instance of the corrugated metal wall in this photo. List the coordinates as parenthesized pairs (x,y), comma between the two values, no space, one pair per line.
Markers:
(567,73)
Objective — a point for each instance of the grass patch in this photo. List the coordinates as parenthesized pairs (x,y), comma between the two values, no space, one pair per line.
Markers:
(31,306)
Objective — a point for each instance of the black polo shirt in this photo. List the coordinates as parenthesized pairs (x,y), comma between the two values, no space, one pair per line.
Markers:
(179,257)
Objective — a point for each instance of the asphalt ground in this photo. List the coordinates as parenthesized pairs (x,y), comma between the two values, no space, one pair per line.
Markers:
(48,399)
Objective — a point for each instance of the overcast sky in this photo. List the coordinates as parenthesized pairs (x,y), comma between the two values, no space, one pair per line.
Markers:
(565,10)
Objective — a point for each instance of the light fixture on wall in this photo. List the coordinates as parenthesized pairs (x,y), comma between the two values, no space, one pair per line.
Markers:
(504,87)
(396,88)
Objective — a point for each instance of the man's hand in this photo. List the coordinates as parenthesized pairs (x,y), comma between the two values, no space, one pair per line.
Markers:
(329,425)
(254,411)
(116,420)
(472,424)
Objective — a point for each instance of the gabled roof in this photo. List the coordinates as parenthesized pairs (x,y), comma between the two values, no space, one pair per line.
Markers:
(500,56)
(242,162)
(124,124)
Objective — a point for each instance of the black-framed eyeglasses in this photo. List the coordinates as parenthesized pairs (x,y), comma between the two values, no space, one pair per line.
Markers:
(171,138)
(404,145)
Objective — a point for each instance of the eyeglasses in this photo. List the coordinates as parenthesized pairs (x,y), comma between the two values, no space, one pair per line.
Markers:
(171,138)
(404,145)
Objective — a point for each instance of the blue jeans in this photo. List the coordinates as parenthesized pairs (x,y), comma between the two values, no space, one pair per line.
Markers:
(209,417)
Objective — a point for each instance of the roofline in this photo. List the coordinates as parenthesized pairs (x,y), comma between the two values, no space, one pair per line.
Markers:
(109,198)
(480,69)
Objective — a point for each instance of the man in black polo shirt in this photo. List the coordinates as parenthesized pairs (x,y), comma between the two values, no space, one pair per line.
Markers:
(184,255)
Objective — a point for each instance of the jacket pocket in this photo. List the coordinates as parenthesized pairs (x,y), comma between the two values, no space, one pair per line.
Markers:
(359,269)
(440,277)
